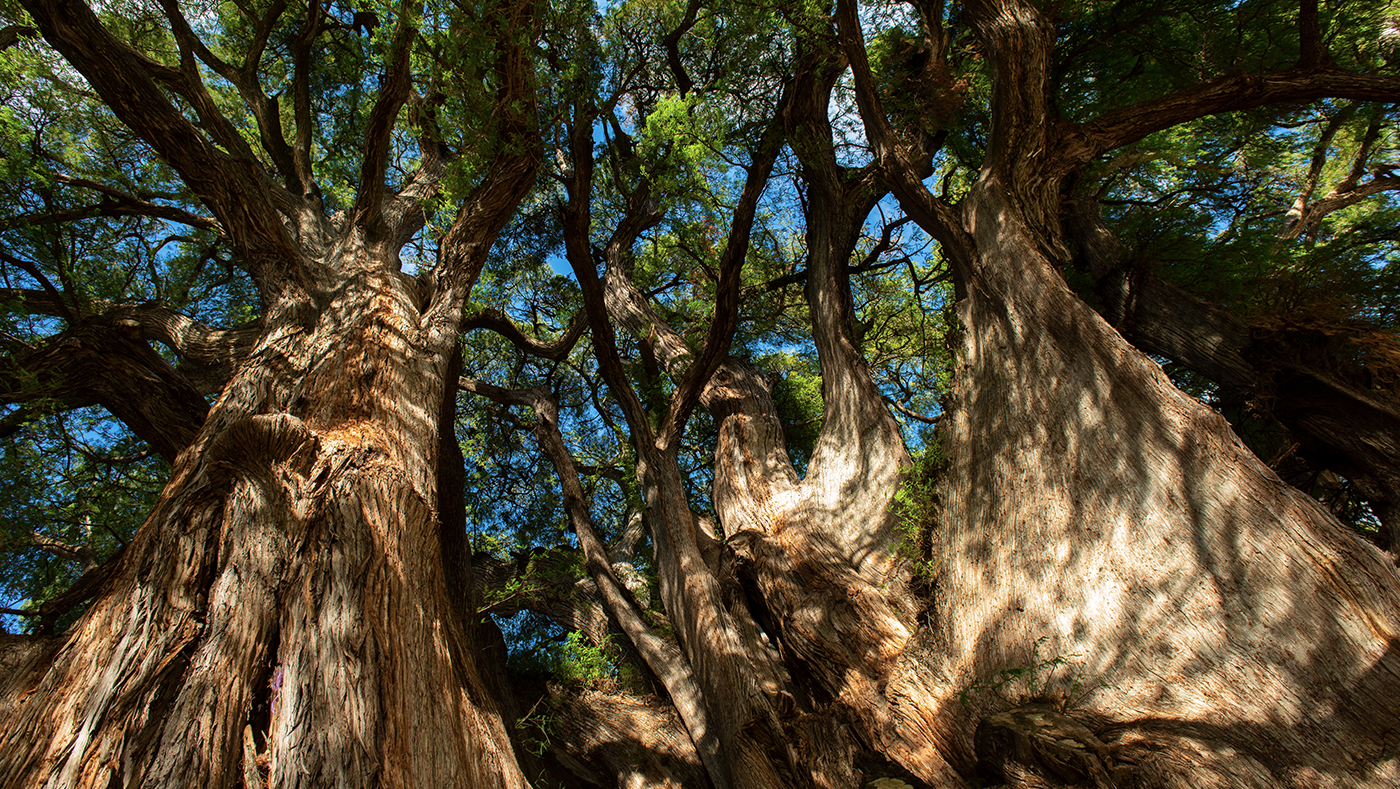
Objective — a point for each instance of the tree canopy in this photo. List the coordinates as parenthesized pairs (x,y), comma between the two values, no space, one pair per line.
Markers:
(793,393)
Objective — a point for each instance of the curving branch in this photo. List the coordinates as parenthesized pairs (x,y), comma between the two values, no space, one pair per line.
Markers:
(555,350)
(672,44)
(511,172)
(1076,145)
(96,365)
(898,163)
(577,221)
(302,56)
(114,203)
(11,35)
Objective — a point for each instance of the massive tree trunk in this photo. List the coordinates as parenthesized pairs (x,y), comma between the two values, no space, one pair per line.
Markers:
(290,580)
(1106,534)
(286,615)
(1344,418)
(1230,630)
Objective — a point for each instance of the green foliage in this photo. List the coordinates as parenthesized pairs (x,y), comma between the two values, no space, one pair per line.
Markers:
(539,726)
(542,650)
(583,663)
(916,502)
(78,483)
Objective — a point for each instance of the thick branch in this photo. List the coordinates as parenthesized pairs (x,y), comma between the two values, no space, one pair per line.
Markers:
(672,44)
(662,656)
(207,354)
(245,79)
(1312,51)
(555,350)
(577,221)
(1116,128)
(301,94)
(379,129)
(90,364)
(900,171)
(11,35)
(511,172)
(1336,200)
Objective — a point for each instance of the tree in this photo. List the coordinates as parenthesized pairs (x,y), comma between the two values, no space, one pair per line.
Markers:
(1087,577)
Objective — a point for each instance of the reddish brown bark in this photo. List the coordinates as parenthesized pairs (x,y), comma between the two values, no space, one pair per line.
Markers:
(284,613)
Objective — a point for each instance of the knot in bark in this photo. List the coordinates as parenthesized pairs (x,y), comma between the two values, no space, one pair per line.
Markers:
(252,445)
(129,328)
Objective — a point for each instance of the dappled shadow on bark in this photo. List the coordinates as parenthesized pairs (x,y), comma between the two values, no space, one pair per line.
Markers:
(1098,512)
(605,737)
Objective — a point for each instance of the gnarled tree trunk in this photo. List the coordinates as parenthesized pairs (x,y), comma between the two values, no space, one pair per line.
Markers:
(1100,530)
(285,615)
(290,580)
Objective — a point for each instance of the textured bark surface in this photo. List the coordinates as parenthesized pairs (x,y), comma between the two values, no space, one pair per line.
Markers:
(296,610)
(1343,416)
(606,739)
(1103,529)
(291,612)
(290,579)
(819,553)
(1124,523)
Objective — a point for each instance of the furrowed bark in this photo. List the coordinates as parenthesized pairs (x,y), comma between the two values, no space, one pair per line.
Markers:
(822,550)
(1340,415)
(1350,428)
(1134,531)
(634,742)
(286,607)
(296,544)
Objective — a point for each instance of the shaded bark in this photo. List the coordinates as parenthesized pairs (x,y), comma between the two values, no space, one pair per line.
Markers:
(601,738)
(1343,417)
(1093,512)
